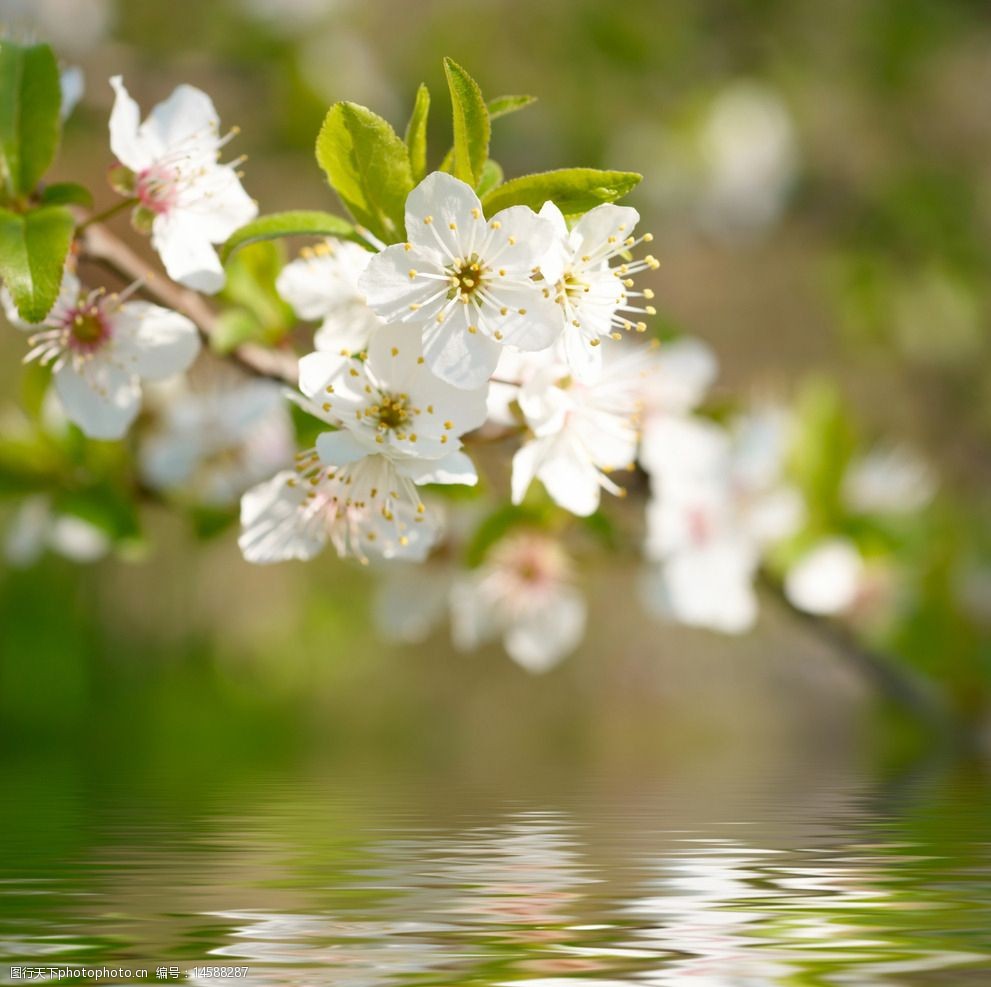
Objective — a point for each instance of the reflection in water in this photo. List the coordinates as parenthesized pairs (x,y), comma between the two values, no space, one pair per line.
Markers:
(305,889)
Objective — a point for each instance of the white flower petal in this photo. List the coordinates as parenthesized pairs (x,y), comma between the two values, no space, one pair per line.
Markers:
(274,525)
(184,246)
(153,342)
(594,229)
(445,201)
(101,398)
(826,580)
(130,146)
(461,358)
(456,467)
(540,639)
(187,117)
(316,370)
(339,448)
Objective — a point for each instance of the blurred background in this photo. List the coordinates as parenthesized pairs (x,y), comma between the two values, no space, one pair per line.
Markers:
(819,188)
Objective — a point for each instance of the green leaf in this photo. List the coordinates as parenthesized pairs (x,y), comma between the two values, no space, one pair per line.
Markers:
(234,327)
(30,97)
(66,194)
(574,190)
(282,224)
(504,105)
(368,166)
(261,314)
(416,133)
(33,248)
(491,177)
(472,128)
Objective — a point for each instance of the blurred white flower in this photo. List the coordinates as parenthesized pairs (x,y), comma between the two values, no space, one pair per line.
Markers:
(464,282)
(188,198)
(213,439)
(718,501)
(581,430)
(323,284)
(594,300)
(889,481)
(36,527)
(828,579)
(101,347)
(73,85)
(524,593)
(749,156)
(364,509)
(412,600)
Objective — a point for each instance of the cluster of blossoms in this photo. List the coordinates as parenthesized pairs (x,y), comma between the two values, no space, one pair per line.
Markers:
(520,326)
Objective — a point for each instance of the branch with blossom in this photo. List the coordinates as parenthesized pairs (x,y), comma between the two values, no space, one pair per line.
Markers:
(469,331)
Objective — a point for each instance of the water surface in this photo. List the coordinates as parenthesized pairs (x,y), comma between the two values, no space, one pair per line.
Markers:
(369,877)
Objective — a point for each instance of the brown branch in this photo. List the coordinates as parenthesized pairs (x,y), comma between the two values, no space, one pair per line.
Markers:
(892,678)
(99,245)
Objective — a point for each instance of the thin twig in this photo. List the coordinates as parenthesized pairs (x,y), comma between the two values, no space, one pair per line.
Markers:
(99,245)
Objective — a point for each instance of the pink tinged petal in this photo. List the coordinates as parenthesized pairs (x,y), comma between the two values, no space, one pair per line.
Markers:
(446,202)
(339,448)
(461,358)
(593,230)
(317,370)
(153,342)
(456,467)
(101,398)
(275,525)
(130,146)
(187,253)
(540,639)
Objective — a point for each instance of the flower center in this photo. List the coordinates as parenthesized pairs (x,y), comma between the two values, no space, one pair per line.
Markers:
(391,412)
(157,188)
(572,287)
(467,277)
(88,328)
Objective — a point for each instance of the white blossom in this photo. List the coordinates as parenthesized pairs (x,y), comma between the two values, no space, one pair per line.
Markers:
(323,284)
(37,526)
(398,427)
(889,481)
(828,579)
(581,431)
(466,283)
(524,593)
(717,503)
(594,300)
(212,439)
(101,347)
(365,509)
(191,200)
